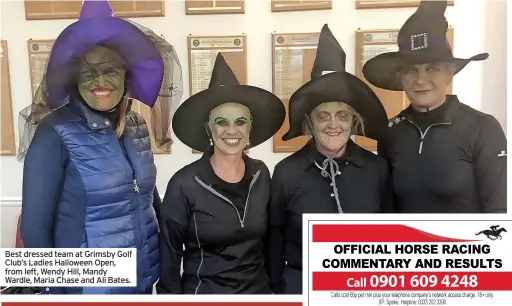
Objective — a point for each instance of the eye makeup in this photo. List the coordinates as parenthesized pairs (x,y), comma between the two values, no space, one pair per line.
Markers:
(224,122)
(241,121)
(341,115)
(220,121)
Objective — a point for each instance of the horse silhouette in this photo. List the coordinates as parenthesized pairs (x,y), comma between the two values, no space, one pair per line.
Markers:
(493,233)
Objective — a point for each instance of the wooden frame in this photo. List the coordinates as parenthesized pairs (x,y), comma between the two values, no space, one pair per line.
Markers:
(58,9)
(213,7)
(303,5)
(383,41)
(379,4)
(50,10)
(299,52)
(38,54)
(205,49)
(8,144)
(139,8)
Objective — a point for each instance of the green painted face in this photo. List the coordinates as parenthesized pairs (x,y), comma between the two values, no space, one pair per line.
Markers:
(230,124)
(102,78)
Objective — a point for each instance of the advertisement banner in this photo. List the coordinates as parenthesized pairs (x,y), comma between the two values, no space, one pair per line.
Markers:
(428,261)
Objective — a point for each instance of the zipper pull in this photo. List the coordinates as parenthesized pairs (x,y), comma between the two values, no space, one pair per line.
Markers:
(421,146)
(135,186)
(242,224)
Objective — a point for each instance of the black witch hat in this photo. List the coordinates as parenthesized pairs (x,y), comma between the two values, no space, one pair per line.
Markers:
(330,82)
(422,39)
(267,110)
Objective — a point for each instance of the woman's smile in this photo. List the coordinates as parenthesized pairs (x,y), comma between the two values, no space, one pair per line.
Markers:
(232,141)
(101,93)
(333,134)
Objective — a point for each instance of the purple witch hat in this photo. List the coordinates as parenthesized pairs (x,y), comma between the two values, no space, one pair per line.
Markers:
(95,9)
(98,26)
(153,77)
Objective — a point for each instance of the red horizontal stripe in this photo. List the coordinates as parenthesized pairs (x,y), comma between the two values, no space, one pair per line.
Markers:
(412,281)
(151,303)
(375,233)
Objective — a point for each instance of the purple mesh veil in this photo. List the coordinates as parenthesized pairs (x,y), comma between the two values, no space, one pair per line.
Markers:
(153,70)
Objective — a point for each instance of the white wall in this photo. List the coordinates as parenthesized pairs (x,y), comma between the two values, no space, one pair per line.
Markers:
(494,100)
(479,27)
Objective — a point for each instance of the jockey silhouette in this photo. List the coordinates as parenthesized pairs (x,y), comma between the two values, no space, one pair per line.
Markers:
(494,232)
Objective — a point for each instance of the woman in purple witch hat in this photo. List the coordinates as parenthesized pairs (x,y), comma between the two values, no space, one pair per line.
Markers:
(89,174)
(444,156)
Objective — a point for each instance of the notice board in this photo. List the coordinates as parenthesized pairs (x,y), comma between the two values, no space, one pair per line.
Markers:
(200,7)
(202,52)
(58,9)
(8,145)
(137,8)
(293,56)
(370,43)
(38,54)
(49,10)
(305,5)
(376,4)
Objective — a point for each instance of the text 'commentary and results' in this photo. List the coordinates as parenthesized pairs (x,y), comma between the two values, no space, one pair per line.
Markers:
(409,263)
(94,267)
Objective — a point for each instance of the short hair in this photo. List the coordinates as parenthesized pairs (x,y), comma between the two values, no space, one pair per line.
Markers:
(452,68)
(449,65)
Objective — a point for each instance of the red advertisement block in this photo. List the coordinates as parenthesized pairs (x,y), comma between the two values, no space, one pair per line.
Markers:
(374,233)
(427,260)
(412,281)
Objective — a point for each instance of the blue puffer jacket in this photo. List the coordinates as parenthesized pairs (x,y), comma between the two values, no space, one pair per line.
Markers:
(83,188)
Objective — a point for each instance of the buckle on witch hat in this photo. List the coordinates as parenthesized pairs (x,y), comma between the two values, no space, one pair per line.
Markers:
(419,41)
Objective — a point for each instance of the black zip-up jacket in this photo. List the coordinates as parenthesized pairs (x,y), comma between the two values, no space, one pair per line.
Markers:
(456,163)
(362,185)
(222,228)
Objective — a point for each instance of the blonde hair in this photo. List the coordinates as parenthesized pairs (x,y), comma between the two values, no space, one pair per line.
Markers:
(121,124)
(357,123)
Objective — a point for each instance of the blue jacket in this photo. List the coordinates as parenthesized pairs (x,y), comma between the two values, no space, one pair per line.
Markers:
(84,188)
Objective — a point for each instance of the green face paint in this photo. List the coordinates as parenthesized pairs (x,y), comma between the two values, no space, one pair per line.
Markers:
(230,125)
(102,78)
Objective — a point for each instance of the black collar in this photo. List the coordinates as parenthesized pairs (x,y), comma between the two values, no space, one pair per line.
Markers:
(452,107)
(310,153)
(206,171)
(96,120)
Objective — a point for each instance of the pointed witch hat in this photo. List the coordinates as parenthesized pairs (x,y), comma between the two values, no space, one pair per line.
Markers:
(329,83)
(97,26)
(422,39)
(267,110)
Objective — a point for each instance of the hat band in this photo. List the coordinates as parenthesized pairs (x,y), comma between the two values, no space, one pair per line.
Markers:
(424,41)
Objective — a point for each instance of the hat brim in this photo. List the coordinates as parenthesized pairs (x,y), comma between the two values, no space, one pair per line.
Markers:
(267,111)
(342,87)
(382,70)
(141,56)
